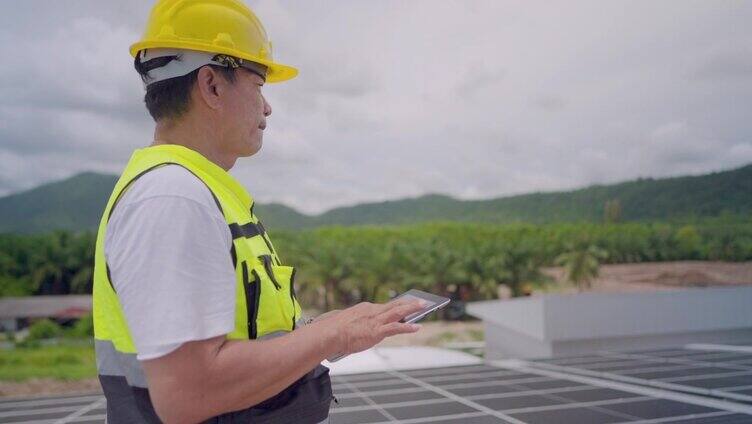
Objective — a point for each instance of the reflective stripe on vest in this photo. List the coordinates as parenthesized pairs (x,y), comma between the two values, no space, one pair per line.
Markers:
(265,303)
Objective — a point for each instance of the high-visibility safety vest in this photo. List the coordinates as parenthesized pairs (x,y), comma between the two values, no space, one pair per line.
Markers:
(265,304)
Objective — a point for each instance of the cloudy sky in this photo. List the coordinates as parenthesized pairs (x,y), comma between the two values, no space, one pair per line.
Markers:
(475,99)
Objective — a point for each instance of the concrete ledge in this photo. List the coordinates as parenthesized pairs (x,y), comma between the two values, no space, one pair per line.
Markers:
(559,325)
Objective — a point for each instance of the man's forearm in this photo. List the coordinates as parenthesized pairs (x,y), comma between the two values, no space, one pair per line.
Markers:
(238,373)
(258,370)
(210,377)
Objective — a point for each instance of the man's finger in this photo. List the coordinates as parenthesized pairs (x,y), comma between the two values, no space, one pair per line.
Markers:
(385,307)
(396,314)
(395,328)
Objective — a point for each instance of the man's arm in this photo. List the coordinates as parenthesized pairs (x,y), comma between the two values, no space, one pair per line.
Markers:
(206,378)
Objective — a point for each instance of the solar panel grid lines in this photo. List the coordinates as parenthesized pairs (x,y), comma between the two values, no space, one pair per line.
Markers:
(346,394)
(690,359)
(621,378)
(720,373)
(700,378)
(720,417)
(718,347)
(742,388)
(668,370)
(460,399)
(81,412)
(640,389)
(56,410)
(7,414)
(10,404)
(711,375)
(405,387)
(368,400)
(561,404)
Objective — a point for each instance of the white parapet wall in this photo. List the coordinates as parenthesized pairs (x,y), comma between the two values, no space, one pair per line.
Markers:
(562,325)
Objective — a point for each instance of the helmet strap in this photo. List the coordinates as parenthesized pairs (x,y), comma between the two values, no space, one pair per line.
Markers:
(181,62)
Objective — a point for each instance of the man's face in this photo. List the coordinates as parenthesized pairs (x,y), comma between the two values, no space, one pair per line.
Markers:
(245,116)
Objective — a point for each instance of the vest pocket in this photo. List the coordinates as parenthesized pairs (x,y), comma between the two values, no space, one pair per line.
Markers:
(284,276)
(275,308)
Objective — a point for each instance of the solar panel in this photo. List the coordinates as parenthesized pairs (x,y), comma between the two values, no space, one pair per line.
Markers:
(603,388)
(506,394)
(724,374)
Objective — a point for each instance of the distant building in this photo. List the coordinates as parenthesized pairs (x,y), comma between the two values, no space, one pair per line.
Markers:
(17,312)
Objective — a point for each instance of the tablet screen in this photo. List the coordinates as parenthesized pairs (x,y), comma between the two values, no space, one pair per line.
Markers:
(433,302)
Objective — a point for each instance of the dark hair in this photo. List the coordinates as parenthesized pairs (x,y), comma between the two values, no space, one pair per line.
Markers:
(171,98)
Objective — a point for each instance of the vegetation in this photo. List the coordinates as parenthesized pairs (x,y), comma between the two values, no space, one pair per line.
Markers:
(581,264)
(338,266)
(341,265)
(63,362)
(57,263)
(44,329)
(50,350)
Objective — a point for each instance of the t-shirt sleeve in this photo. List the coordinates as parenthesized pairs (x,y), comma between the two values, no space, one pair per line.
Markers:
(170,264)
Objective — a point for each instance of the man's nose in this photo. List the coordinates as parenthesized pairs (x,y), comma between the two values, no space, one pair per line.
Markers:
(267,107)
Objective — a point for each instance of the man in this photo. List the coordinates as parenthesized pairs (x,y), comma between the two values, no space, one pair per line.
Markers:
(195,316)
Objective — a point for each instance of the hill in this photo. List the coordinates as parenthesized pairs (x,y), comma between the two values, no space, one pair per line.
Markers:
(643,199)
(76,203)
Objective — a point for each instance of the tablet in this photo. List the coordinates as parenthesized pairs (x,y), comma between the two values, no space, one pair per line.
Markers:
(433,303)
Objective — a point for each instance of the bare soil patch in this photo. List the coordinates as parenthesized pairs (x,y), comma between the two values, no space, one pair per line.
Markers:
(49,386)
(656,276)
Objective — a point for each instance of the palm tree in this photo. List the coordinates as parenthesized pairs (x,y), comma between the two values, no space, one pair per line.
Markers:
(581,264)
(81,263)
(522,264)
(435,264)
(329,264)
(378,272)
(49,271)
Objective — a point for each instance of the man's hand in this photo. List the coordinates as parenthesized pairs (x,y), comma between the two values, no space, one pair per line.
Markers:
(326,315)
(366,324)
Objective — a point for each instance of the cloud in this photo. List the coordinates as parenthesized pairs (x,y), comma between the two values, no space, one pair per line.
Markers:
(727,62)
(398,99)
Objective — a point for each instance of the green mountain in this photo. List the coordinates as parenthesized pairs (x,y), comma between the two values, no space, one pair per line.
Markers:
(76,203)
(643,199)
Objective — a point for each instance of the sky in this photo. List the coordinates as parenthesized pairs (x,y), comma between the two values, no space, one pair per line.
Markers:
(473,99)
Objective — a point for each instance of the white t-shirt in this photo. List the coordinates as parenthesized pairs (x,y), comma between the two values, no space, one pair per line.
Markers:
(168,249)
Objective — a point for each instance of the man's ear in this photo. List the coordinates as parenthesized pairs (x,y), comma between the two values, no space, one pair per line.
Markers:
(210,86)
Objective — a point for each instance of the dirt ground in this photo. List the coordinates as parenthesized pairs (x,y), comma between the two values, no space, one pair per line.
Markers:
(656,276)
(624,278)
(48,386)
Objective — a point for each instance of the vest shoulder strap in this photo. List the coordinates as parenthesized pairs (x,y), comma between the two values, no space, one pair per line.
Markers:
(128,185)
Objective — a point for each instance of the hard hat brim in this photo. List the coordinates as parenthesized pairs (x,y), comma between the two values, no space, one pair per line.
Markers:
(276,72)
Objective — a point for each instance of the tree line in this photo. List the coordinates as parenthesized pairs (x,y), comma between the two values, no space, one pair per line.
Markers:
(338,266)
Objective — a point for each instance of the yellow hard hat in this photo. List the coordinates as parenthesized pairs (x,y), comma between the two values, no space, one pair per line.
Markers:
(213,26)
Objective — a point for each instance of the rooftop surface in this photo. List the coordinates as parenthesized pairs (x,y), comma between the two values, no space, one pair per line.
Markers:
(688,384)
